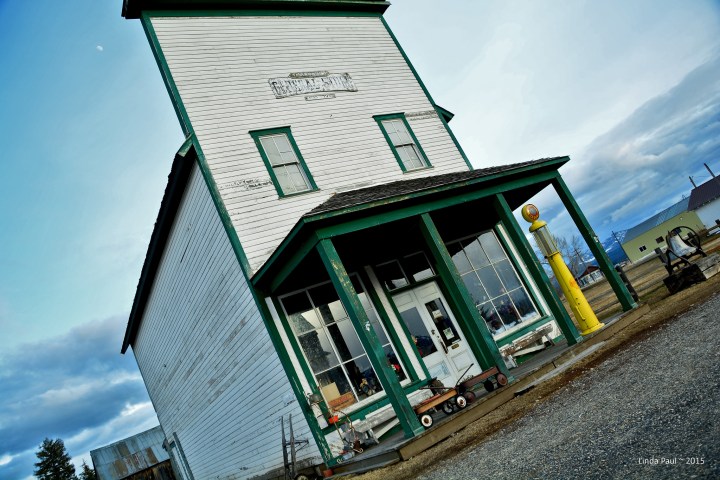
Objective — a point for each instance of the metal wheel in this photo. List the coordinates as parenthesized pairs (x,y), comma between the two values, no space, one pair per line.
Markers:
(447,408)
(501,379)
(301,476)
(460,402)
(426,420)
(469,396)
(489,385)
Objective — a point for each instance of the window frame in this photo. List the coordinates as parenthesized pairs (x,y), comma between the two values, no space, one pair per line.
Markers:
(401,116)
(258,134)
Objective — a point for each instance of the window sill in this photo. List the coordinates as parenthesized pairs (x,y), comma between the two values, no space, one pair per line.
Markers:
(419,169)
(298,194)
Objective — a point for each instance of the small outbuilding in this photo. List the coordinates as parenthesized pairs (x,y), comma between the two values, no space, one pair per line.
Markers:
(705,202)
(140,457)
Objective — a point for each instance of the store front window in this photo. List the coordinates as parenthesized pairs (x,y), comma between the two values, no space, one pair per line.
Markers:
(331,346)
(493,283)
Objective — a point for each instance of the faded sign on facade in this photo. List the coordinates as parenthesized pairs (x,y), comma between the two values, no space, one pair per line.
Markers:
(299,84)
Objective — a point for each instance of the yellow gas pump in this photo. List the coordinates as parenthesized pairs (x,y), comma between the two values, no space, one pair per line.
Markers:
(580,307)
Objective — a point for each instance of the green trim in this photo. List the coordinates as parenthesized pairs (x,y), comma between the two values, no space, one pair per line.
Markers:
(267,318)
(427,94)
(594,244)
(538,273)
(411,286)
(447,115)
(474,326)
(177,102)
(374,350)
(533,325)
(385,319)
(257,134)
(289,9)
(401,116)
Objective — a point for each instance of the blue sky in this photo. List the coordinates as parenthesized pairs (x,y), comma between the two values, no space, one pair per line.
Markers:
(630,90)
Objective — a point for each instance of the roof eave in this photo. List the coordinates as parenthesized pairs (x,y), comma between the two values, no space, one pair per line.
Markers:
(177,181)
(133,8)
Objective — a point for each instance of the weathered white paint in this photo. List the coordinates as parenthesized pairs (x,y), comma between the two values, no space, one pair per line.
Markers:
(221,67)
(709,213)
(210,367)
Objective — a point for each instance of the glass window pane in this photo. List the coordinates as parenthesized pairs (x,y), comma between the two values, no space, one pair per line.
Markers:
(283,179)
(391,275)
(506,310)
(402,132)
(418,332)
(410,157)
(492,247)
(328,303)
(394,363)
(301,315)
(297,178)
(363,377)
(284,147)
(524,305)
(417,267)
(491,281)
(460,259)
(346,340)
(271,150)
(443,324)
(475,253)
(474,286)
(335,387)
(507,275)
(318,351)
(391,129)
(491,317)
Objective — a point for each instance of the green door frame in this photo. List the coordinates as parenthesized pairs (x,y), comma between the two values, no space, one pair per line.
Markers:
(350,300)
(593,242)
(475,328)
(536,271)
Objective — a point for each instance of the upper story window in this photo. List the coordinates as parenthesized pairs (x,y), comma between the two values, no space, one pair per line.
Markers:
(405,146)
(282,158)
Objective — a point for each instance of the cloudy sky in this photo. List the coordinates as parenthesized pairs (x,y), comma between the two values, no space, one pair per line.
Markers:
(629,89)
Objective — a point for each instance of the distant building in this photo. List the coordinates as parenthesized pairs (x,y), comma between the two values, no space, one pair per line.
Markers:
(590,275)
(139,457)
(642,240)
(705,202)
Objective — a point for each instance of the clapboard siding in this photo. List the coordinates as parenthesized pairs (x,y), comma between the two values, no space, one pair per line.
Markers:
(206,356)
(221,67)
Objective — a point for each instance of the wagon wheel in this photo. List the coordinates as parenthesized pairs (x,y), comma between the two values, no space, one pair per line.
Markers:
(426,420)
(489,385)
(501,379)
(469,396)
(460,402)
(301,476)
(447,408)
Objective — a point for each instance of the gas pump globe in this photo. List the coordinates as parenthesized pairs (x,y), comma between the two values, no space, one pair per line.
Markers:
(580,307)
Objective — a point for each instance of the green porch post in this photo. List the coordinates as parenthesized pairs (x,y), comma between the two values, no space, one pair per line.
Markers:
(536,271)
(594,244)
(480,338)
(345,290)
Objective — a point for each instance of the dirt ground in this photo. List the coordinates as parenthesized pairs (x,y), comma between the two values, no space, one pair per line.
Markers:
(664,309)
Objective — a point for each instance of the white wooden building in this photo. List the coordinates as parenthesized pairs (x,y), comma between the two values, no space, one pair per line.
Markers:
(322,232)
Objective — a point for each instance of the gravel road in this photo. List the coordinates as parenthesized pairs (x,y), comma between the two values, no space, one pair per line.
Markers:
(649,411)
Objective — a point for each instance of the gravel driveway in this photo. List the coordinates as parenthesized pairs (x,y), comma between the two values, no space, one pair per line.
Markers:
(650,411)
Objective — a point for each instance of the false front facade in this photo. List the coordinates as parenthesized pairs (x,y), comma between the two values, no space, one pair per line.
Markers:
(324,244)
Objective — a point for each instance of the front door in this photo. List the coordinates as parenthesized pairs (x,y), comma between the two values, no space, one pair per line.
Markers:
(435,333)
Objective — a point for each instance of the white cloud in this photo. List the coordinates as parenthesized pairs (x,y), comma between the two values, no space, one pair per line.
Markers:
(5,459)
(99,48)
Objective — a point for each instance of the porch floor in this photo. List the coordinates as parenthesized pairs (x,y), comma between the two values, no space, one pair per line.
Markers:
(547,363)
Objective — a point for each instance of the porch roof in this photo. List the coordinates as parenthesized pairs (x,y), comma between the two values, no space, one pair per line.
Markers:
(357,209)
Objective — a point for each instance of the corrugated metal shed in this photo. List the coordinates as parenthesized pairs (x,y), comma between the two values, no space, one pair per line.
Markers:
(655,220)
(129,456)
